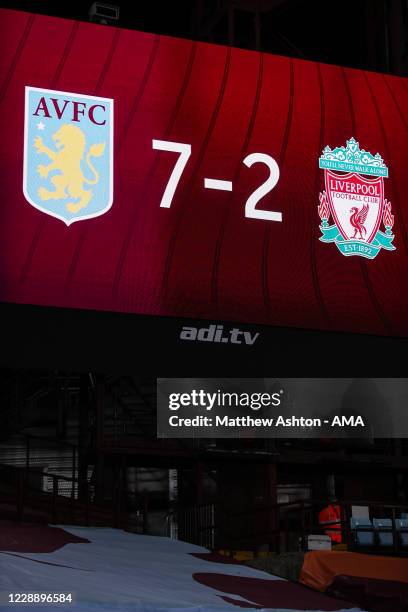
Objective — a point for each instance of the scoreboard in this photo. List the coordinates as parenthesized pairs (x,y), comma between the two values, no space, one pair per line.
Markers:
(152,175)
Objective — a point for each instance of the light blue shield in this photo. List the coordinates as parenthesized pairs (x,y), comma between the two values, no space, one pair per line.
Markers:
(68,154)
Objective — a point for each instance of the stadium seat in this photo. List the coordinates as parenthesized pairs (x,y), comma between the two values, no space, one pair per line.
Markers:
(363,531)
(401,525)
(383,528)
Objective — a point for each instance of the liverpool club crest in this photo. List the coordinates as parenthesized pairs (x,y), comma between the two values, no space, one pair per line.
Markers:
(354,199)
(68,154)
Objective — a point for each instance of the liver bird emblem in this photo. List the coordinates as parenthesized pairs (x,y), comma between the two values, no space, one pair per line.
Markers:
(357,220)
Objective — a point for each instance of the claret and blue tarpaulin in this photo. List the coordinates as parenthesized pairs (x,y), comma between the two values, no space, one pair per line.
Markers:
(152,175)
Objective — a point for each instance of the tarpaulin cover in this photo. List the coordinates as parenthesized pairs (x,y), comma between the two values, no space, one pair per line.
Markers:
(109,569)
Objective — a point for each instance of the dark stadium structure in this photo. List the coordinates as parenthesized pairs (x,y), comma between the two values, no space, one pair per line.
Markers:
(83,448)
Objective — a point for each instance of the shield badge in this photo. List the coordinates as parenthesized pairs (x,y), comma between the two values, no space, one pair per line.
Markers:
(356,204)
(68,154)
(354,198)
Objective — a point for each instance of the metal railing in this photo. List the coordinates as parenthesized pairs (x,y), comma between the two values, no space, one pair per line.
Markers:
(295,521)
(289,525)
(31,451)
(278,527)
(22,499)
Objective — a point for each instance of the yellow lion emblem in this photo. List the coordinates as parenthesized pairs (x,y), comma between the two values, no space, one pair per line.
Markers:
(70,142)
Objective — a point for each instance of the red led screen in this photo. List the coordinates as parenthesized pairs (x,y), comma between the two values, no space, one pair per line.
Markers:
(147,174)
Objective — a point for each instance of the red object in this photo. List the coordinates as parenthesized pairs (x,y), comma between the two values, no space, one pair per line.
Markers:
(268,594)
(388,217)
(357,220)
(332,515)
(34,538)
(202,257)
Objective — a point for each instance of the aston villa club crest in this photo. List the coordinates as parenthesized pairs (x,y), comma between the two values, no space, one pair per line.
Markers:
(68,154)
(354,199)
